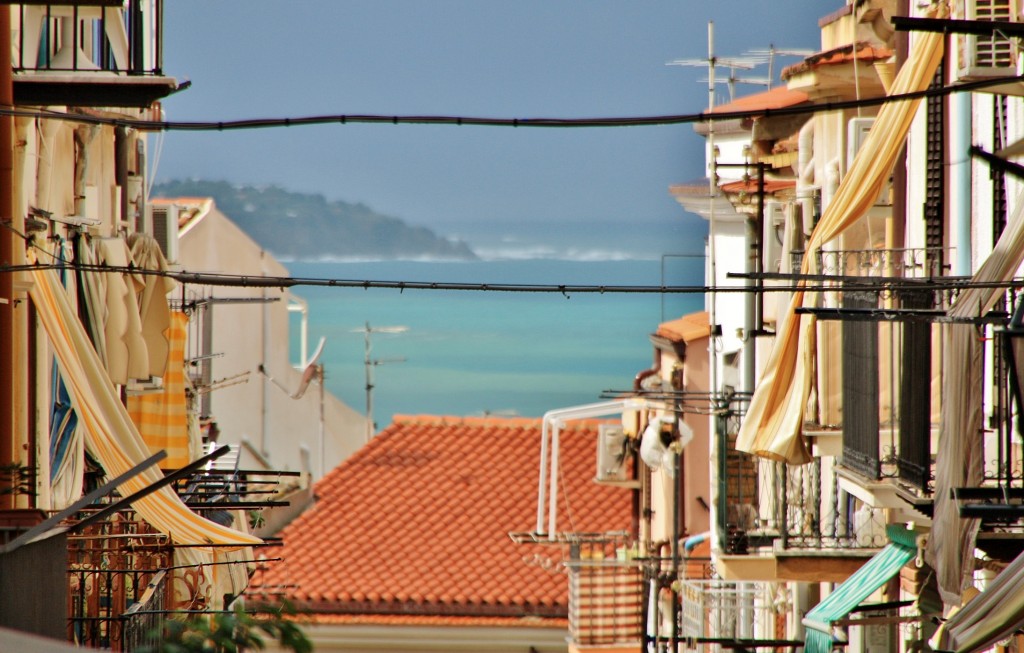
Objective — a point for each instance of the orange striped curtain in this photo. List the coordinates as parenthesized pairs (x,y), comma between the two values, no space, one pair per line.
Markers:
(162,417)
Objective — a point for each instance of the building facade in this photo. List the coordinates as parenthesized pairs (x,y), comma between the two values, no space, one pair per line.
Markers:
(111,494)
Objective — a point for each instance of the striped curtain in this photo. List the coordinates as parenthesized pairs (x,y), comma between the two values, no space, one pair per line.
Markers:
(162,416)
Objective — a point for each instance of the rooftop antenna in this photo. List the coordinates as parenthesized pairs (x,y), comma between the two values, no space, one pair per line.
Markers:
(773,52)
(712,297)
(732,63)
(370,363)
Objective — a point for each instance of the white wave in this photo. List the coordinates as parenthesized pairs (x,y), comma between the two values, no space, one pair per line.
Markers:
(548,253)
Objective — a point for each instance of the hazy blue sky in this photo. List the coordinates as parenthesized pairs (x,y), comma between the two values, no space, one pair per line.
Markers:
(552,58)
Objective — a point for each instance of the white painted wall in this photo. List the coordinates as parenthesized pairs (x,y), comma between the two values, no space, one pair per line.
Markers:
(285,431)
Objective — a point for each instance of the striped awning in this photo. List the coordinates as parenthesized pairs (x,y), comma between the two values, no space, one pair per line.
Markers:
(902,548)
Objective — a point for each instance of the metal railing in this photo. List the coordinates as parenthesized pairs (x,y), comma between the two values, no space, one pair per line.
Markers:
(886,362)
(729,611)
(111,566)
(911,262)
(775,505)
(143,620)
(120,36)
(605,592)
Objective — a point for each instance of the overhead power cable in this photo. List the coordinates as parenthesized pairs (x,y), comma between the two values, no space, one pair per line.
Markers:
(635,121)
(863,284)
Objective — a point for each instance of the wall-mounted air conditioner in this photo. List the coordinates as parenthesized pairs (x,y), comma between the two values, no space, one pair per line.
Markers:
(771,240)
(857,131)
(987,56)
(614,456)
(165,230)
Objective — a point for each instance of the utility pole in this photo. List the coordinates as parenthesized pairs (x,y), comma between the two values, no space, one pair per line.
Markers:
(370,363)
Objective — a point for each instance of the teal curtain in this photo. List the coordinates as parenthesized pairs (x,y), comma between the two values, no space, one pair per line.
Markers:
(902,548)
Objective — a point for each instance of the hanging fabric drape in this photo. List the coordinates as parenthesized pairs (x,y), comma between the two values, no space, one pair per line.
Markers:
(958,461)
(66,445)
(990,617)
(110,434)
(1000,266)
(154,312)
(774,421)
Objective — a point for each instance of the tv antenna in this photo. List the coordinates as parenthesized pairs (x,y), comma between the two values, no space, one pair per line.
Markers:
(771,52)
(370,363)
(733,64)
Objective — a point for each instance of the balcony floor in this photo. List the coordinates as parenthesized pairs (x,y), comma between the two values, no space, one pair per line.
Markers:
(90,89)
(799,565)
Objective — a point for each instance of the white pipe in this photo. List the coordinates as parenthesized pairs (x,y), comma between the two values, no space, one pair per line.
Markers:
(299,305)
(551,426)
(960,175)
(805,157)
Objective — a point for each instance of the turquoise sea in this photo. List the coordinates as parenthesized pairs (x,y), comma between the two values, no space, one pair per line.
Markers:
(475,353)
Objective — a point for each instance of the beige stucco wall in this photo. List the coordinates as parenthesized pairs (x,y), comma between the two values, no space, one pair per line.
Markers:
(696,469)
(285,431)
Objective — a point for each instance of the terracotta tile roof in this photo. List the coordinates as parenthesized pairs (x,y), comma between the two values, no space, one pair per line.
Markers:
(777,98)
(865,53)
(417,522)
(687,328)
(432,620)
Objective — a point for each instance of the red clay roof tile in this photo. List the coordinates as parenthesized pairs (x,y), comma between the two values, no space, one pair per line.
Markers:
(420,518)
(860,52)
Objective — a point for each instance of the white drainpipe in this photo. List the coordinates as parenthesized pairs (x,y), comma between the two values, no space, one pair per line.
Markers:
(960,176)
(554,421)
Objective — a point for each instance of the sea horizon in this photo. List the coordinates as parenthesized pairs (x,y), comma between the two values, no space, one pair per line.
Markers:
(466,353)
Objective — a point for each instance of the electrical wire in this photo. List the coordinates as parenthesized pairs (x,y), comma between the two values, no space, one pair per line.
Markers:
(791,283)
(282,282)
(634,121)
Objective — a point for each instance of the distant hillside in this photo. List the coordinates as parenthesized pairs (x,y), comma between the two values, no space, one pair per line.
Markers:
(302,226)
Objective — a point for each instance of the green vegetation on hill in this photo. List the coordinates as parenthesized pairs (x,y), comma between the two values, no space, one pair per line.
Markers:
(304,226)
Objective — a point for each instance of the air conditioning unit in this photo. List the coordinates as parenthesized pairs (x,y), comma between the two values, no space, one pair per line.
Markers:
(165,230)
(771,240)
(857,131)
(614,457)
(987,56)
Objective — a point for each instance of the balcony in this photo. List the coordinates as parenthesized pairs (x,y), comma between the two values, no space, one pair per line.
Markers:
(790,522)
(89,53)
(878,349)
(115,583)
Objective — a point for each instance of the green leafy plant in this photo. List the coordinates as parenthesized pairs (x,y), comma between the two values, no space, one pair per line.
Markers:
(230,632)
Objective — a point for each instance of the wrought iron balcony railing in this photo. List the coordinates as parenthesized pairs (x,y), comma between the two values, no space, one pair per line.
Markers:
(785,507)
(111,36)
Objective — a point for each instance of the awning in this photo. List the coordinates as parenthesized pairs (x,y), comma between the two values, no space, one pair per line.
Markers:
(991,617)
(774,421)
(902,548)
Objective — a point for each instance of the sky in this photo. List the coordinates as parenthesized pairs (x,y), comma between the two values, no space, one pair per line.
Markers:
(532,58)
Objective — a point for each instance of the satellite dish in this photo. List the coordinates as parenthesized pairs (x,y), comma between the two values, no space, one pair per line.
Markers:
(311,371)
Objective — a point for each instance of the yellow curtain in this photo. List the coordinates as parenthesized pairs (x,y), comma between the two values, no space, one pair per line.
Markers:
(110,434)
(774,421)
(162,417)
